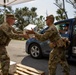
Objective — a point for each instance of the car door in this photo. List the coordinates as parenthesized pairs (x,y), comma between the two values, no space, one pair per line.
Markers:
(74,39)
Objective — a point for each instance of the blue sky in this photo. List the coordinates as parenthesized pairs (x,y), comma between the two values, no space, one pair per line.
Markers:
(46,5)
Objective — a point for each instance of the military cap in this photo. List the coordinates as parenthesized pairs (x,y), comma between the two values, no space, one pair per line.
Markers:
(11,16)
(50,17)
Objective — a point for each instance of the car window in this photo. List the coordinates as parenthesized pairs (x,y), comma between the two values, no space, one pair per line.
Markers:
(63,29)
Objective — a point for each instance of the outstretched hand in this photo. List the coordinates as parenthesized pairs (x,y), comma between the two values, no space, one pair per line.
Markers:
(30,31)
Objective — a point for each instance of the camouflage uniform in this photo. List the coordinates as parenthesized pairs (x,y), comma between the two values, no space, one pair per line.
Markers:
(6,32)
(57,55)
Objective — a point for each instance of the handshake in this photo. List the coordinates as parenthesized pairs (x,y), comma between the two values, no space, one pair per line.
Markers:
(29,34)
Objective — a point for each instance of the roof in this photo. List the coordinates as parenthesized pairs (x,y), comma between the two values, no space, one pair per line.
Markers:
(12,2)
(64,20)
(30,26)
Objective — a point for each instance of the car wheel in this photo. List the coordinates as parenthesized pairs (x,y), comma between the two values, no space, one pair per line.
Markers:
(35,50)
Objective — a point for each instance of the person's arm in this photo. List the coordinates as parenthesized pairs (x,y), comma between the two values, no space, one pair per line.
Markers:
(19,34)
(12,33)
(41,37)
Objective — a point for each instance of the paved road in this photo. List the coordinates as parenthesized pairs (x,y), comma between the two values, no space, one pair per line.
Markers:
(16,51)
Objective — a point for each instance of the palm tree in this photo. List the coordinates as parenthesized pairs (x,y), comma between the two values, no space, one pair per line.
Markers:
(32,14)
(25,16)
(40,22)
(61,15)
(20,21)
(61,10)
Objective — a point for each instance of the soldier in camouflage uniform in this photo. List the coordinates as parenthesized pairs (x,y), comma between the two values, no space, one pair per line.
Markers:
(6,33)
(57,55)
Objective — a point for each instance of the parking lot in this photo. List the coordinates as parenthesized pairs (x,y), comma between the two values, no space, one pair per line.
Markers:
(16,51)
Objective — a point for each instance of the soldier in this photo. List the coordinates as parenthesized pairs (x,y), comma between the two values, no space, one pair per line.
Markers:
(6,33)
(57,55)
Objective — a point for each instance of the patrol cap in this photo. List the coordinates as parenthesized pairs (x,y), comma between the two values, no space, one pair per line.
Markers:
(11,16)
(50,17)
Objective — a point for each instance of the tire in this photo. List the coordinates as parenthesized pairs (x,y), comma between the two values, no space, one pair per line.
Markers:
(35,51)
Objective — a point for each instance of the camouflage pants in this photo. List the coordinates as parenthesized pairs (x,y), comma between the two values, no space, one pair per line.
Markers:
(4,60)
(57,56)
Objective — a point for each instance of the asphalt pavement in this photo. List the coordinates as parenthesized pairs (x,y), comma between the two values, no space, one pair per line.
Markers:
(16,52)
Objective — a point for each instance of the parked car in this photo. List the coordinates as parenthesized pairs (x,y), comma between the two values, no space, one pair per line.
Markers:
(37,49)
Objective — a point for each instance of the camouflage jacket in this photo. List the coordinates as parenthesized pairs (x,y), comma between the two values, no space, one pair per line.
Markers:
(6,32)
(53,35)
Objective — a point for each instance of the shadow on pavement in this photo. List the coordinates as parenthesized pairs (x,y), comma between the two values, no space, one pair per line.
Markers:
(40,64)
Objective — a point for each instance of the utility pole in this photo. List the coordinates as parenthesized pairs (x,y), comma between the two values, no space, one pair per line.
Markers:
(64,9)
